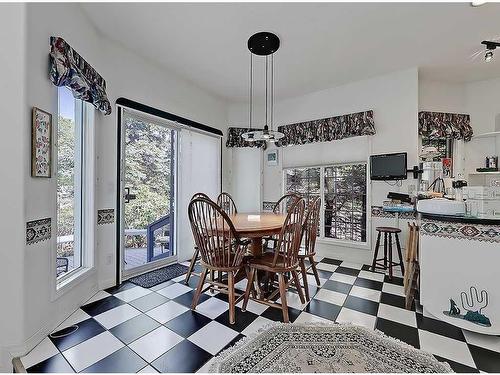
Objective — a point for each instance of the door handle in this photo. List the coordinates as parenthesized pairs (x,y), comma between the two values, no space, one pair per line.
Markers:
(128,197)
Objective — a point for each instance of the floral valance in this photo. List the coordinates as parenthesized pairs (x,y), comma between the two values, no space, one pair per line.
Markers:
(68,68)
(323,130)
(328,129)
(234,138)
(435,125)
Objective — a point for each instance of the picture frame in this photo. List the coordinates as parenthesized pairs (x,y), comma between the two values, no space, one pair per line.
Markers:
(272,158)
(41,143)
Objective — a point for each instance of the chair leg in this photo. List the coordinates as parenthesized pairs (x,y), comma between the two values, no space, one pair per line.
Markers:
(385,252)
(212,277)
(199,288)
(297,285)
(284,306)
(304,278)
(249,289)
(390,256)
(230,285)
(377,245)
(315,271)
(398,245)
(191,265)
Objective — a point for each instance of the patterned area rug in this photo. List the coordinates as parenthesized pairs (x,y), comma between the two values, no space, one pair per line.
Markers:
(147,280)
(310,348)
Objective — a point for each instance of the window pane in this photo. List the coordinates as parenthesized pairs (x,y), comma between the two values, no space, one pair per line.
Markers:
(303,181)
(345,202)
(69,176)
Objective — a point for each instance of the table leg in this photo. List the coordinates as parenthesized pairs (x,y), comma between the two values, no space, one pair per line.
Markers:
(256,246)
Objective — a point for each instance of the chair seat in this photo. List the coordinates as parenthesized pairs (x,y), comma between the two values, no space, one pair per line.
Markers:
(303,254)
(388,229)
(265,262)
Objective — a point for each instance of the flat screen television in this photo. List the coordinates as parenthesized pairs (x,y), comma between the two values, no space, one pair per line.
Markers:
(388,166)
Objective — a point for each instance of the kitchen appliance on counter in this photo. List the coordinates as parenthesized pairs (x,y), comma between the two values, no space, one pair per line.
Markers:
(441,206)
(483,201)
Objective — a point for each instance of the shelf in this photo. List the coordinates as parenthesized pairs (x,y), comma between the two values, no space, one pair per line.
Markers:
(487,135)
(485,173)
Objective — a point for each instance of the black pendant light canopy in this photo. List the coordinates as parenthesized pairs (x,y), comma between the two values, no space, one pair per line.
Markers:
(263,44)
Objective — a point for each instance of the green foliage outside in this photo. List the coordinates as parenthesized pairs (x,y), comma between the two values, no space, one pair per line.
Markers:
(148,157)
(65,183)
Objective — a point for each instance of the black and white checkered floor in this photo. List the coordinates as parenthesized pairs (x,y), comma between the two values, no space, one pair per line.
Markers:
(132,329)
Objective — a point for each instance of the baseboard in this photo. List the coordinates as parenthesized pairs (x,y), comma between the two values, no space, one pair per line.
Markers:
(345,253)
(15,351)
(105,284)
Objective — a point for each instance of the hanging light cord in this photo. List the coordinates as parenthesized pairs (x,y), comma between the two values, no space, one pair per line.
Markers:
(272,91)
(266,87)
(251,87)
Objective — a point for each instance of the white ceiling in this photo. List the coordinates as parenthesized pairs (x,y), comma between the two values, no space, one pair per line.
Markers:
(322,44)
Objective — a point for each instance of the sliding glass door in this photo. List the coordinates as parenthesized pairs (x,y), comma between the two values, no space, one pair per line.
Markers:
(149,175)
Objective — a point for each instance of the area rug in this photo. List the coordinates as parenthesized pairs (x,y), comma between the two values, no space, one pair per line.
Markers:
(147,280)
(311,348)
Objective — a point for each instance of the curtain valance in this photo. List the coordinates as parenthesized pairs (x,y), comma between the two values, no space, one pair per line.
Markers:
(328,129)
(68,68)
(234,138)
(322,130)
(435,125)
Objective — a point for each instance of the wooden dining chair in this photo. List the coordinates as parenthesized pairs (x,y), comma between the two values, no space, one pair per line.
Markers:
(220,249)
(284,260)
(281,207)
(196,254)
(285,203)
(309,235)
(226,202)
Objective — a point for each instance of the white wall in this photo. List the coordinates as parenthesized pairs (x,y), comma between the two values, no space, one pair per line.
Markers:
(14,153)
(394,100)
(483,105)
(127,75)
(481,100)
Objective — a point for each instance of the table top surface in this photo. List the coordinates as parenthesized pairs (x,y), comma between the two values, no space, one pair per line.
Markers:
(261,223)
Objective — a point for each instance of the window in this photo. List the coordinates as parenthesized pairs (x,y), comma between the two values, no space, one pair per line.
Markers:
(344,202)
(303,181)
(443,145)
(72,183)
(343,192)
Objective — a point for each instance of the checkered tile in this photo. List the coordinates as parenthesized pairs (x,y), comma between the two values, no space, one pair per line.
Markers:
(132,329)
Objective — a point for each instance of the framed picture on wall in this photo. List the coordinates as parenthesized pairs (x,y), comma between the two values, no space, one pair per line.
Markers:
(272,157)
(41,143)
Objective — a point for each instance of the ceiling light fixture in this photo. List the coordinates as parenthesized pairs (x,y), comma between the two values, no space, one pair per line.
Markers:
(490,47)
(263,44)
(477,3)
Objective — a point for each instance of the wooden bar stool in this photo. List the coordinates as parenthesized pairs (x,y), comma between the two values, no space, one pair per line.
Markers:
(388,263)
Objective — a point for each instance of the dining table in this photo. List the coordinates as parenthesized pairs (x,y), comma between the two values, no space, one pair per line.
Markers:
(256,226)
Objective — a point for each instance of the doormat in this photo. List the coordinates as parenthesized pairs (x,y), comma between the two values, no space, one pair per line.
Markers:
(147,280)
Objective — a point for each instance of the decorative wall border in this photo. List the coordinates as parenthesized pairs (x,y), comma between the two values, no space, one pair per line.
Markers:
(106,216)
(268,206)
(461,231)
(38,230)
(378,211)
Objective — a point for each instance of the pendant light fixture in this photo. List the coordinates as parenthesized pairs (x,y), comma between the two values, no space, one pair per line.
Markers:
(263,44)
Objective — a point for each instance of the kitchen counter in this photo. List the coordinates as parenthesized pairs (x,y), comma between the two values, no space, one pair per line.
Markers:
(461,219)
(459,271)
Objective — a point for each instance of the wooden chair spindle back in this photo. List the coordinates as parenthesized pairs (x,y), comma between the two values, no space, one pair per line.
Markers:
(214,235)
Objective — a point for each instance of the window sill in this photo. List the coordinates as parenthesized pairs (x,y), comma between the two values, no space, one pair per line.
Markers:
(65,285)
(340,243)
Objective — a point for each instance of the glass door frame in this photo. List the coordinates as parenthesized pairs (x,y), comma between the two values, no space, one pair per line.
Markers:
(122,273)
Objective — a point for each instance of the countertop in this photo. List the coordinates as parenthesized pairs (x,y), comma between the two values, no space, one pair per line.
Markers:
(461,219)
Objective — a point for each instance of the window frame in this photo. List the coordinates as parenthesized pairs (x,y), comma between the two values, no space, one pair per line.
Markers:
(322,238)
(85,211)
